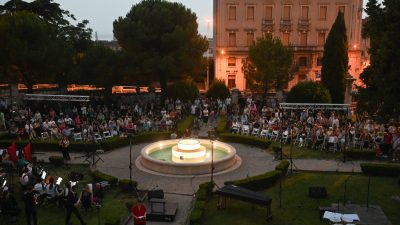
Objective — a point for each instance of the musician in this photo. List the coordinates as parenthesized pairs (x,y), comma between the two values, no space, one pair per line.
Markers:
(64,144)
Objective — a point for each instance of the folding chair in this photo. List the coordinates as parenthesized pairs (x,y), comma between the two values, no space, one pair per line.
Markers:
(78,136)
(246,130)
(98,137)
(107,134)
(255,132)
(44,135)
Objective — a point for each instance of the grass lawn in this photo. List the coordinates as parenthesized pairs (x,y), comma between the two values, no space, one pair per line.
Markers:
(113,204)
(299,209)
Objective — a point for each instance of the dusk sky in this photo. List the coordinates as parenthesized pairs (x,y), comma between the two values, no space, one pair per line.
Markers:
(102,13)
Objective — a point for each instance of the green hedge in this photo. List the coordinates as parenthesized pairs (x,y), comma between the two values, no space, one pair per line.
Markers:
(56,160)
(244,139)
(199,205)
(283,166)
(126,186)
(184,124)
(258,182)
(222,124)
(99,176)
(379,169)
(195,216)
(358,154)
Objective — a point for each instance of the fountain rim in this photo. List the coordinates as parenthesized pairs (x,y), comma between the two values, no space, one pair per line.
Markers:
(231,152)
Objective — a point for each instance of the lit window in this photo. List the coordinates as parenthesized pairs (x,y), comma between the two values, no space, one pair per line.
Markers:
(232,13)
(231,81)
(250,13)
(302,77)
(285,39)
(232,39)
(319,61)
(231,61)
(323,9)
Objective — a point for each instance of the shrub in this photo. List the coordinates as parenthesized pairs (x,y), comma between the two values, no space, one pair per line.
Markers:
(222,124)
(126,186)
(196,216)
(185,124)
(218,89)
(258,182)
(183,90)
(75,176)
(56,160)
(283,167)
(243,139)
(99,176)
(309,92)
(379,169)
(200,204)
(358,154)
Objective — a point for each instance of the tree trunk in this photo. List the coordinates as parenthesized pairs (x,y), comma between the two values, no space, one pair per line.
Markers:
(163,86)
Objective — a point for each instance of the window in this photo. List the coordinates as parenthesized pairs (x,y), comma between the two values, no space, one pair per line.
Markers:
(232,39)
(342,8)
(303,39)
(268,12)
(319,61)
(231,61)
(285,39)
(231,81)
(250,38)
(303,61)
(321,39)
(302,77)
(232,13)
(323,9)
(304,12)
(286,12)
(250,12)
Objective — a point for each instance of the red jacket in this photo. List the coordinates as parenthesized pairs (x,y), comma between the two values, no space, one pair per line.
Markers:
(139,214)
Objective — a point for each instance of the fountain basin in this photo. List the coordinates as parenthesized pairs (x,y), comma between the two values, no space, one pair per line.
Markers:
(194,158)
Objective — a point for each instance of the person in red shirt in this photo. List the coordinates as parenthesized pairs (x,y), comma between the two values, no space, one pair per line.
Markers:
(139,214)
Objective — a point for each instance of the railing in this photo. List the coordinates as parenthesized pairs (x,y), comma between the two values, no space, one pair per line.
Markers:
(308,48)
(268,25)
(286,25)
(304,25)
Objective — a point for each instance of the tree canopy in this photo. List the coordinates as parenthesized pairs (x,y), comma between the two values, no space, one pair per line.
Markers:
(379,96)
(309,92)
(218,89)
(269,64)
(335,63)
(162,40)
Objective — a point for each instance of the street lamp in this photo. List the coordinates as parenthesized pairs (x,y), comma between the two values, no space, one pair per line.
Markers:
(130,135)
(208,56)
(211,136)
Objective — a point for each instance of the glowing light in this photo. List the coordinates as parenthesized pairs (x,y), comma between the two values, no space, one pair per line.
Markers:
(354,46)
(188,144)
(222,52)
(188,150)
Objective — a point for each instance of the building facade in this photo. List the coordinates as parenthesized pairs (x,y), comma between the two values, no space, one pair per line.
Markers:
(303,24)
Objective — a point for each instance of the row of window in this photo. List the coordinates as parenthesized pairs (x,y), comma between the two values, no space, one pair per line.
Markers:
(302,61)
(303,41)
(286,12)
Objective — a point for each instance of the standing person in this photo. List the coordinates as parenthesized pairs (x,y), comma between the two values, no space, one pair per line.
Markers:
(139,214)
(71,204)
(64,144)
(30,205)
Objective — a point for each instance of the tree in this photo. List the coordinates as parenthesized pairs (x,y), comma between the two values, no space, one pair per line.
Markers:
(25,48)
(309,92)
(335,63)
(183,90)
(218,89)
(162,40)
(379,96)
(269,65)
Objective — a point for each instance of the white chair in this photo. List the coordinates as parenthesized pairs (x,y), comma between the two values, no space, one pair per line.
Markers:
(285,136)
(255,132)
(246,130)
(44,135)
(78,136)
(274,135)
(264,133)
(235,129)
(98,137)
(106,134)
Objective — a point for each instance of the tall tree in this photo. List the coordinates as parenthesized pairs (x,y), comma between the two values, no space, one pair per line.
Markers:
(335,63)
(269,65)
(25,48)
(379,96)
(162,39)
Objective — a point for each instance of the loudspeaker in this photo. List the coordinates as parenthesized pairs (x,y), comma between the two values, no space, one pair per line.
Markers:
(317,192)
(155,194)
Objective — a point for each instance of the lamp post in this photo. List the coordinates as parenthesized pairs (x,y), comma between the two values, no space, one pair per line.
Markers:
(208,56)
(211,136)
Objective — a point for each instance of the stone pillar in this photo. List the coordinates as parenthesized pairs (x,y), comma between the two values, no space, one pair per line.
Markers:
(235,95)
(349,88)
